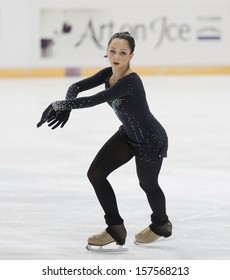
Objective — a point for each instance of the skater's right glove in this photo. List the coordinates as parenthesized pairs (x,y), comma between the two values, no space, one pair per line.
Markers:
(60,119)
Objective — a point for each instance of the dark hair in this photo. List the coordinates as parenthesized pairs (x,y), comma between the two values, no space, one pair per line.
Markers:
(125,36)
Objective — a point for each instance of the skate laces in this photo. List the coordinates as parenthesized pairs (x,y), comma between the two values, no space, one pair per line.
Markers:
(99,235)
(145,231)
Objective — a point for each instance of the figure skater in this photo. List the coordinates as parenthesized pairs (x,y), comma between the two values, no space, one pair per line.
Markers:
(140,136)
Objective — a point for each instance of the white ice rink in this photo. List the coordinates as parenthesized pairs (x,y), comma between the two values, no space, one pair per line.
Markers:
(48,208)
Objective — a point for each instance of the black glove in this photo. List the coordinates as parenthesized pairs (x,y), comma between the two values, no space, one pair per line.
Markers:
(61,118)
(47,115)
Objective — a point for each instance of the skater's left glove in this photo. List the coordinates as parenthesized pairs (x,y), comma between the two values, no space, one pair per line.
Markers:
(60,119)
(47,115)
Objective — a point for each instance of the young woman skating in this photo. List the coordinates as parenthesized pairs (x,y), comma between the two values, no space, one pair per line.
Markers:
(140,137)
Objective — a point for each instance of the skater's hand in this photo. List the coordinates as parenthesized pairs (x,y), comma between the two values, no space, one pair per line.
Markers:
(47,115)
(60,119)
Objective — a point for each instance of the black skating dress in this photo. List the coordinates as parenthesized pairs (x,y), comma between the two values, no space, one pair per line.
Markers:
(144,135)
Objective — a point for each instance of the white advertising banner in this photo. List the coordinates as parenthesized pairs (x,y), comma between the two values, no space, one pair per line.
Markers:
(183,34)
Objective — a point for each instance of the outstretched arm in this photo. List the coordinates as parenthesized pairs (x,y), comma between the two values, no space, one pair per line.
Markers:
(119,89)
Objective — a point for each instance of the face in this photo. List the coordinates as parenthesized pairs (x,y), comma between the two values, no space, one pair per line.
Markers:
(118,53)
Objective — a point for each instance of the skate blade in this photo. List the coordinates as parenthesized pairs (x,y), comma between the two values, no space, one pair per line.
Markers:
(106,249)
(159,240)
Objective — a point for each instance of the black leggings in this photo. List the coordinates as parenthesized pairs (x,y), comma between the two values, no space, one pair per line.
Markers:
(112,155)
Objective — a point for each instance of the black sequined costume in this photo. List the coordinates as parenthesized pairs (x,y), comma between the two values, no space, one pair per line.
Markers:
(144,135)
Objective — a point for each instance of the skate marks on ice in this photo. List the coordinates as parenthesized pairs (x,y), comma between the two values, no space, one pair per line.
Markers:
(215,212)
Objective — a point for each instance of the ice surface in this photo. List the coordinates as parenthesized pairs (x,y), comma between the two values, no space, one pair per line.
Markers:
(48,208)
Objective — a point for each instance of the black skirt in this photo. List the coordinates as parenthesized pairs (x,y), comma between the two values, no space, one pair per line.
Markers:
(153,151)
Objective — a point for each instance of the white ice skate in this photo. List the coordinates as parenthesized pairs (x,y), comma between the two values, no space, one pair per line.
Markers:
(103,243)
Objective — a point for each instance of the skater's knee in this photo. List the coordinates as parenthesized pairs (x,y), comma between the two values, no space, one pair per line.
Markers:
(91,175)
(143,186)
(94,174)
(150,187)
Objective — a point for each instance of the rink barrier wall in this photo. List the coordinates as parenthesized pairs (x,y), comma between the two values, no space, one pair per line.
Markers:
(87,71)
